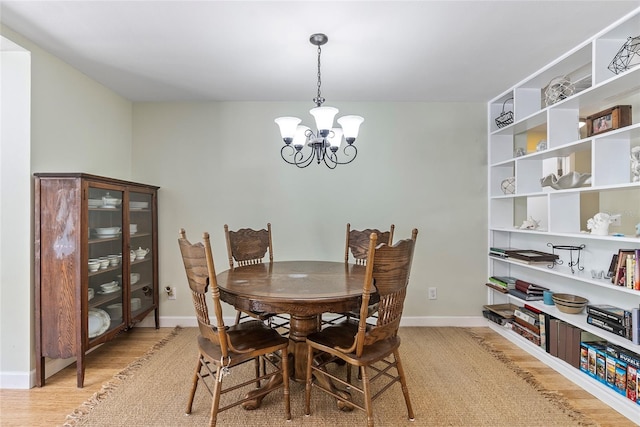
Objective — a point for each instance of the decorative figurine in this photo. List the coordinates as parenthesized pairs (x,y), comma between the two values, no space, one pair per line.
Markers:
(635,164)
(599,224)
(530,224)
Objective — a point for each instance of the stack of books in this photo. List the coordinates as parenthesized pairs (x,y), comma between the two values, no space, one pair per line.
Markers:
(526,323)
(616,320)
(500,252)
(502,283)
(531,257)
(527,291)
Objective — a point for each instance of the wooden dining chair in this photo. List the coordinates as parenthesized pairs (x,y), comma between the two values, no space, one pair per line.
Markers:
(357,245)
(223,348)
(368,347)
(247,246)
(358,242)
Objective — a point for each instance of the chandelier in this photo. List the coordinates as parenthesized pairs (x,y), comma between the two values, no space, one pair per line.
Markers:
(326,141)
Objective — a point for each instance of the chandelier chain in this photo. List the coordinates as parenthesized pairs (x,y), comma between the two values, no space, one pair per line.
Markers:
(319,99)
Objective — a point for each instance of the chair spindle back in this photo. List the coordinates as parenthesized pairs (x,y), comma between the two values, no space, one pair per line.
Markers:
(358,242)
(199,266)
(247,246)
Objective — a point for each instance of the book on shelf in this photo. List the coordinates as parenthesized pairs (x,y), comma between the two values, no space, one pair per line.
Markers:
(532,309)
(552,336)
(524,296)
(506,281)
(498,254)
(636,272)
(526,333)
(502,250)
(527,316)
(498,288)
(635,325)
(533,328)
(609,312)
(612,267)
(542,323)
(530,288)
(532,256)
(608,326)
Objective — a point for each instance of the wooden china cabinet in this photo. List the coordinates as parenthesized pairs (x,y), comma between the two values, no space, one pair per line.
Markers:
(90,282)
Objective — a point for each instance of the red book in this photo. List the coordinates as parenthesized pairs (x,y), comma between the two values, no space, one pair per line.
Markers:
(532,308)
(636,284)
(529,288)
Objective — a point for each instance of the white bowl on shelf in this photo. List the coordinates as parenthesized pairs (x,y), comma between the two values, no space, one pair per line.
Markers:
(115,310)
(106,287)
(107,231)
(135,278)
(94,266)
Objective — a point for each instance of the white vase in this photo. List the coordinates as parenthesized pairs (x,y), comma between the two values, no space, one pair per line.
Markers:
(603,230)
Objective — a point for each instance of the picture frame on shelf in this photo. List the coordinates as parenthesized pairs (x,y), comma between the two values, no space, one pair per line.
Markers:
(621,263)
(610,119)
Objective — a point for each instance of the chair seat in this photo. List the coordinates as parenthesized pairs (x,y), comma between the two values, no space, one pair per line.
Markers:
(341,335)
(252,335)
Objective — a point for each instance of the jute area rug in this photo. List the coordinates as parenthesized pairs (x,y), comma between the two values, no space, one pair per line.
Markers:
(454,378)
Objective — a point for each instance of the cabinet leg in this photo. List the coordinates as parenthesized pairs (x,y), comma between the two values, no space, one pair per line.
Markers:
(80,370)
(39,371)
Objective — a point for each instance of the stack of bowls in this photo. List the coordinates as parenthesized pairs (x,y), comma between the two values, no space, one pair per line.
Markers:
(94,264)
(104,262)
(115,310)
(570,304)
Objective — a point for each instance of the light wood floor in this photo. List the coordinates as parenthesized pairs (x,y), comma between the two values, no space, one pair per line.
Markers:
(49,405)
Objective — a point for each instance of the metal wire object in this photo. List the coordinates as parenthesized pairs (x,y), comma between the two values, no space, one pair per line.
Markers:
(558,89)
(572,262)
(506,117)
(627,57)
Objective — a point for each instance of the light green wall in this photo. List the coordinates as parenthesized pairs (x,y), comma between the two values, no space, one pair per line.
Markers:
(420,165)
(77,125)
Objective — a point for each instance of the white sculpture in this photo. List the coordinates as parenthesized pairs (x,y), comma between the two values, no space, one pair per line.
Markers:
(569,180)
(599,224)
(530,224)
(635,164)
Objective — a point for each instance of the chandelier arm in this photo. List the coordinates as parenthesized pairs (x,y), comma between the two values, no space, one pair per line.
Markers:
(300,161)
(332,157)
(344,150)
(282,153)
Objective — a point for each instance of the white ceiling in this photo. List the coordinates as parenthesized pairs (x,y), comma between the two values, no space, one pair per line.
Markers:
(260,50)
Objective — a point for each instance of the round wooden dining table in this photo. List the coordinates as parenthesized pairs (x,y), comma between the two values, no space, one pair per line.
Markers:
(303,289)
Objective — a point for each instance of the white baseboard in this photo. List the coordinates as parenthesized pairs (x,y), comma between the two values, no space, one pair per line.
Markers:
(25,380)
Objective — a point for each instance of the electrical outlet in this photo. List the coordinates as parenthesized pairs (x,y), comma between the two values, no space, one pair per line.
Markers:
(171,292)
(616,220)
(433,293)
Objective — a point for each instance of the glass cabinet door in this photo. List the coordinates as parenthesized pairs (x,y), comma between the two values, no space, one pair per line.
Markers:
(141,257)
(105,292)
